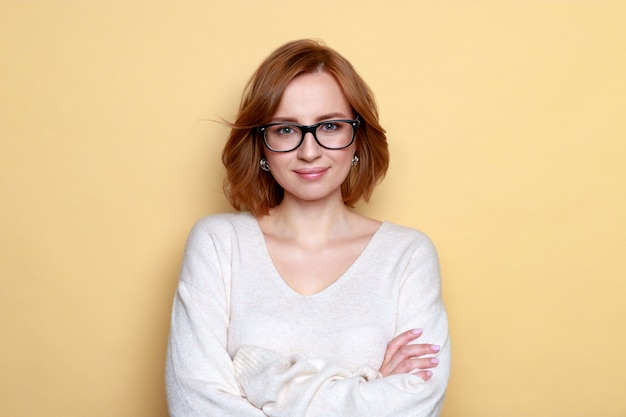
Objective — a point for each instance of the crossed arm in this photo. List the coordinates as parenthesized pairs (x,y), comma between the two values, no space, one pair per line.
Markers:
(203,380)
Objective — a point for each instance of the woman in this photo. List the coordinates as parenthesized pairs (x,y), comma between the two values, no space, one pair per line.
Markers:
(297,306)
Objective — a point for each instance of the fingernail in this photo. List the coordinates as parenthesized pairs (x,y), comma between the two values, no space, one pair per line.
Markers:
(435,348)
(416,331)
(429,374)
(434,361)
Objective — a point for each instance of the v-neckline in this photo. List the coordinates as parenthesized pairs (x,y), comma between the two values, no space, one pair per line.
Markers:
(278,278)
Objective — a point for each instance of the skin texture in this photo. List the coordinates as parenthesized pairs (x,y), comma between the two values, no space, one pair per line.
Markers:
(311,233)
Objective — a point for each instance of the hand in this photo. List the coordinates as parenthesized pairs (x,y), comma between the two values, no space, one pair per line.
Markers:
(402,357)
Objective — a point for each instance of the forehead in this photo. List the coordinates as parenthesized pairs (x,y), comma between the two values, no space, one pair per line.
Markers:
(311,95)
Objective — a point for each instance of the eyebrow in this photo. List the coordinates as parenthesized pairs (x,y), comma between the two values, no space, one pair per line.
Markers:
(328,116)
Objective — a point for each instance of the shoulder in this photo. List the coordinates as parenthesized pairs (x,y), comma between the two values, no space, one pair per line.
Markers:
(223,223)
(405,245)
(222,227)
(214,240)
(413,253)
(405,236)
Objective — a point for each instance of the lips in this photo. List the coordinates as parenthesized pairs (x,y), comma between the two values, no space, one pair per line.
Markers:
(311,173)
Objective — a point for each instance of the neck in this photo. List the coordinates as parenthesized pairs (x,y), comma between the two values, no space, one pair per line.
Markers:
(310,223)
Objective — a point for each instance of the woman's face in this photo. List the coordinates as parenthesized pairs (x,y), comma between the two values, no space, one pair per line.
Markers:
(311,172)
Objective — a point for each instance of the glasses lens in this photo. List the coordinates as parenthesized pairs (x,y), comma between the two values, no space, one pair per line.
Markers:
(282,137)
(334,134)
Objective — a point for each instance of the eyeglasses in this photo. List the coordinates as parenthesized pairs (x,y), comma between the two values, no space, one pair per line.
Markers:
(329,134)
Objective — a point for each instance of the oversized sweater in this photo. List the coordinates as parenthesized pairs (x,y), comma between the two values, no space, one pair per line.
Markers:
(244,344)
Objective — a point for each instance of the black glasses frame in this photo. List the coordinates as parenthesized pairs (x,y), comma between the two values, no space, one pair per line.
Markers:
(306,129)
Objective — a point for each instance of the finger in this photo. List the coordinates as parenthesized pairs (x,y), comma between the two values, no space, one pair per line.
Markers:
(399,341)
(415,365)
(408,352)
(425,375)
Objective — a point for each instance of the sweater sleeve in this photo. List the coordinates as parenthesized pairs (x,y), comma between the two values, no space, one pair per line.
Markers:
(298,387)
(200,377)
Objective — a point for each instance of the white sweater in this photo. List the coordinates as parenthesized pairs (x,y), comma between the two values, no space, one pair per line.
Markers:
(243,343)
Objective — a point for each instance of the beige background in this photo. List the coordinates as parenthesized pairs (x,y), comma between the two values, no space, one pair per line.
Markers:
(508,134)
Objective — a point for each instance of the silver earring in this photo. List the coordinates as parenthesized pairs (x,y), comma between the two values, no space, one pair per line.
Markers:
(264,165)
(355,160)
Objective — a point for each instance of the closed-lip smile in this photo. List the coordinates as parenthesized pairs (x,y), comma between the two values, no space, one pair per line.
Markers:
(311,173)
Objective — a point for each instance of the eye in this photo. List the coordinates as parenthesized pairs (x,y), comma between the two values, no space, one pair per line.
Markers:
(283,130)
(330,126)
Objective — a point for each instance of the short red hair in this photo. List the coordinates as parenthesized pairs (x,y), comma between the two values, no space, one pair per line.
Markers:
(246,185)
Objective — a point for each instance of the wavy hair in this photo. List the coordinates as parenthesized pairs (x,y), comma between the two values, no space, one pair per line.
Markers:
(246,185)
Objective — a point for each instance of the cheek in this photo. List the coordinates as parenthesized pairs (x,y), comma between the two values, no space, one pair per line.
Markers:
(346,158)
(278,168)
(275,162)
(344,166)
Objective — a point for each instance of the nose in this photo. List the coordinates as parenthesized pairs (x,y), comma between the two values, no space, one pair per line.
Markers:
(310,149)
